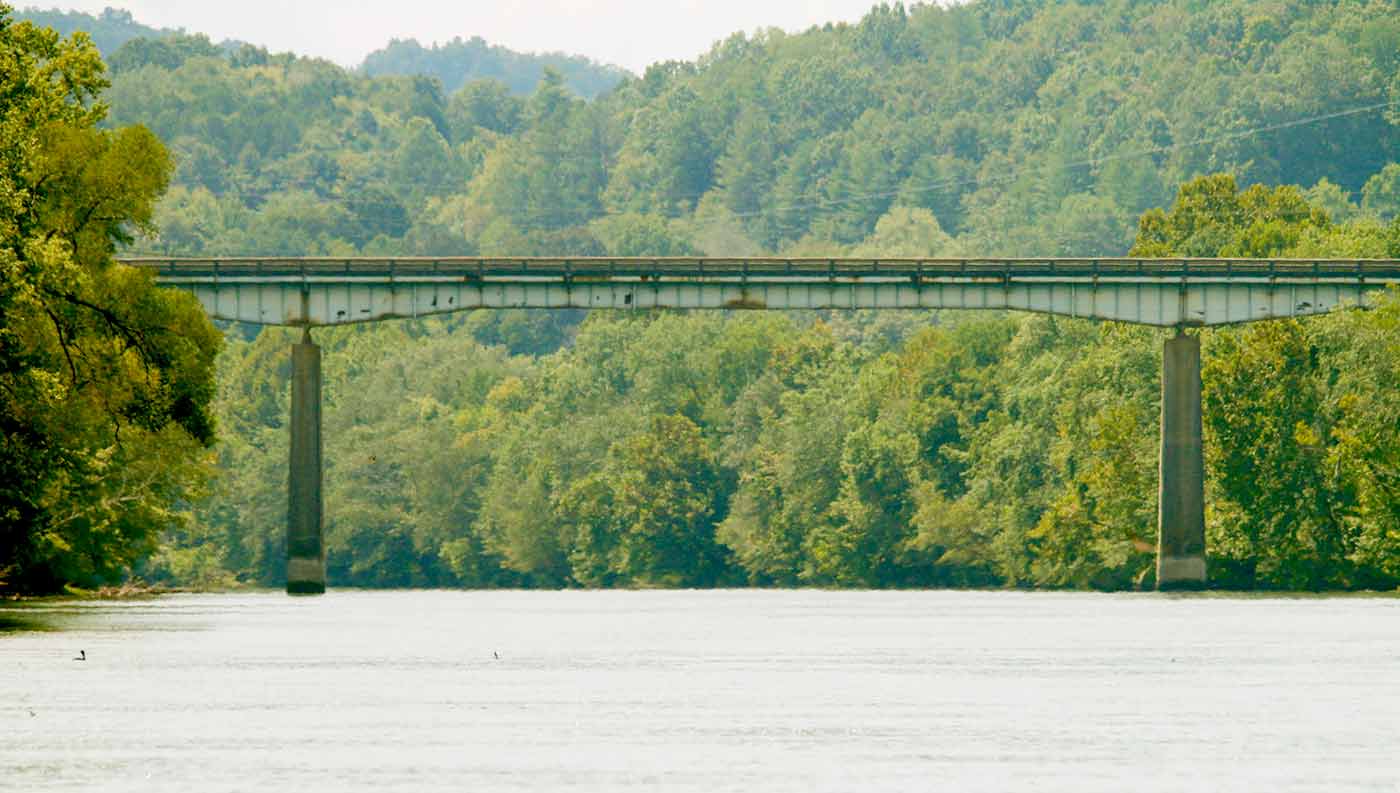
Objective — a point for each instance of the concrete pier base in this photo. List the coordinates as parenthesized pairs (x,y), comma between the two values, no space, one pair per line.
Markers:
(1181,519)
(306,553)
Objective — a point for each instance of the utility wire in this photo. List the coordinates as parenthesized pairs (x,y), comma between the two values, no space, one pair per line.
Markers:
(532,222)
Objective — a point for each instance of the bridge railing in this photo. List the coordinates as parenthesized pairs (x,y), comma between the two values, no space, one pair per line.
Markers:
(466,268)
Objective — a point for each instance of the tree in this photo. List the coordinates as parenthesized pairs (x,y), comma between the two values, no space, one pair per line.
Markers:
(746,168)
(1381,195)
(424,163)
(648,517)
(105,381)
(169,52)
(1213,217)
(459,63)
(906,233)
(632,234)
(1332,199)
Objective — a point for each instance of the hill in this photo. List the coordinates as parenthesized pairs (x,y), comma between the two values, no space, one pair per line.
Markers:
(109,30)
(461,61)
(454,63)
(991,127)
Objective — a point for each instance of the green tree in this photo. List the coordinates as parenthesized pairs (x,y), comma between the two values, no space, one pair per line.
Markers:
(648,516)
(906,233)
(1213,217)
(1381,195)
(1332,199)
(169,52)
(105,381)
(640,235)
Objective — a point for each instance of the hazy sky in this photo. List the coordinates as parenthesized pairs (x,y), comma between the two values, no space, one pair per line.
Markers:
(630,33)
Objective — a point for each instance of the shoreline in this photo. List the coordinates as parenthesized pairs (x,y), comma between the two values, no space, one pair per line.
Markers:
(144,591)
(127,591)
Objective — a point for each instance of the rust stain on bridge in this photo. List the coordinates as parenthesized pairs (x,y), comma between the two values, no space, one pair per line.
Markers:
(746,301)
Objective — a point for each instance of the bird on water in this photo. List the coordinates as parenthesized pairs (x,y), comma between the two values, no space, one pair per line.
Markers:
(81,656)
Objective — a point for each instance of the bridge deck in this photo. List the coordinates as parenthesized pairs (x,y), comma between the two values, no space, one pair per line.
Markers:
(1164,292)
(467,267)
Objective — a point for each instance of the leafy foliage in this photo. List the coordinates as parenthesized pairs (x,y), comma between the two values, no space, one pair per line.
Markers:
(1020,129)
(105,381)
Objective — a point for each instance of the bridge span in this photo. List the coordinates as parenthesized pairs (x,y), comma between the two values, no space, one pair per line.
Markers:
(1161,292)
(1168,293)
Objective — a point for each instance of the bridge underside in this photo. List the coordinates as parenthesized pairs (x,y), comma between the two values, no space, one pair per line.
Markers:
(1165,293)
(1145,304)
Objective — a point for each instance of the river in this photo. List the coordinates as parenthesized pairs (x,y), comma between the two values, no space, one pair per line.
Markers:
(701,691)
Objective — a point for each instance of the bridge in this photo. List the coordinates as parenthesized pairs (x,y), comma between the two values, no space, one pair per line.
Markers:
(1168,293)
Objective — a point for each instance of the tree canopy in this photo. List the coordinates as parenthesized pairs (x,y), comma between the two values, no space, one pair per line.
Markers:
(105,381)
(1017,128)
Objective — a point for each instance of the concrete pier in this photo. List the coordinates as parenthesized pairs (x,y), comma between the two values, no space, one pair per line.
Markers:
(306,553)
(1181,521)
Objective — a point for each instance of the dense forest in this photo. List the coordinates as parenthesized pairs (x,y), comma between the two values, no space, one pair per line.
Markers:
(459,62)
(839,449)
(992,127)
(453,63)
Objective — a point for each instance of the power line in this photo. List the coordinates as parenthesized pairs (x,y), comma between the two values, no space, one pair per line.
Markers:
(583,216)
(1089,163)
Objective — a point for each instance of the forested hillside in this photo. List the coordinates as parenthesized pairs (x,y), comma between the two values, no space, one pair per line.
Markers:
(513,449)
(453,63)
(991,127)
(460,61)
(109,30)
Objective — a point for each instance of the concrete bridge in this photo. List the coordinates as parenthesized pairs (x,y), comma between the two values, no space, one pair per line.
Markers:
(1169,293)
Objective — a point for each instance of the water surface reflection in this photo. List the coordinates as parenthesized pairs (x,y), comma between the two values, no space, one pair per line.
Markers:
(701,691)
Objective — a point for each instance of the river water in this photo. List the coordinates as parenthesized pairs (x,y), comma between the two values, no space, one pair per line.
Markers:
(701,691)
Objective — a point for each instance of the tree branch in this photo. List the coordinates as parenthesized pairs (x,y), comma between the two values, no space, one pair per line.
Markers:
(63,344)
(113,321)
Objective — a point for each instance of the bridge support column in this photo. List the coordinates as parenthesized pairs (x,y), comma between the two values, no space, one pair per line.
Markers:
(1181,520)
(306,553)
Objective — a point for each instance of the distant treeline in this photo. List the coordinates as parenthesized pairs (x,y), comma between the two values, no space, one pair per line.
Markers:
(453,63)
(461,61)
(109,30)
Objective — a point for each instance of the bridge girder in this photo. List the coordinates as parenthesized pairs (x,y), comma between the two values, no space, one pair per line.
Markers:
(1159,292)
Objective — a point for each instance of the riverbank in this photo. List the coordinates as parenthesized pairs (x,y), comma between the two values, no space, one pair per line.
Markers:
(131,590)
